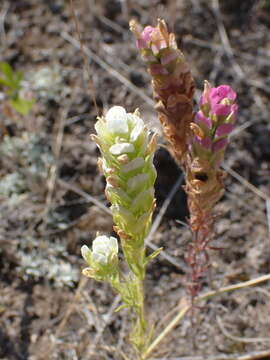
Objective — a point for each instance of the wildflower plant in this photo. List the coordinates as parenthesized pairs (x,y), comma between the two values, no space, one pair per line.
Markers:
(198,139)
(127,151)
(211,128)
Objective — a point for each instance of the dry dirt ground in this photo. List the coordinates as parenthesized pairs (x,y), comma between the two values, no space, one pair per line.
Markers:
(47,310)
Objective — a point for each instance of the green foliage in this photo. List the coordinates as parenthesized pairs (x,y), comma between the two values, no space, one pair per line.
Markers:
(12,81)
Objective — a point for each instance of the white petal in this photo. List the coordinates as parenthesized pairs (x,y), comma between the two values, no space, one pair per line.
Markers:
(116,119)
(138,127)
(100,258)
(121,148)
(86,252)
(100,243)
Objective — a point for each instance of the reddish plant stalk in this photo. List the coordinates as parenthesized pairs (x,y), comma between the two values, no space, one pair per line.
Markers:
(197,141)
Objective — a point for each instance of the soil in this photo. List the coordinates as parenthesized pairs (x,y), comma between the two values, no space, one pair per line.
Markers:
(47,310)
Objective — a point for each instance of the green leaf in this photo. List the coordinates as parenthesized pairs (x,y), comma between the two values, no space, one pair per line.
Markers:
(12,78)
(6,69)
(22,106)
(154,254)
(17,77)
(5,82)
(123,306)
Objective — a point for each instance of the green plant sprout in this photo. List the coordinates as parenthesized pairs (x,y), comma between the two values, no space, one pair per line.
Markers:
(12,82)
(127,162)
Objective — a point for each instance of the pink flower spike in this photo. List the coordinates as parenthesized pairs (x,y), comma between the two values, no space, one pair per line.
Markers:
(221,92)
(145,37)
(205,142)
(146,34)
(224,129)
(220,144)
(141,44)
(158,45)
(203,119)
(205,95)
(221,109)
(234,109)
(166,59)
(158,69)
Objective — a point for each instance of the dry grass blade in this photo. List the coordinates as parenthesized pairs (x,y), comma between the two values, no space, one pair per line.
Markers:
(52,179)
(245,183)
(85,195)
(237,338)
(165,206)
(104,325)
(68,313)
(225,40)
(86,63)
(109,69)
(255,355)
(158,220)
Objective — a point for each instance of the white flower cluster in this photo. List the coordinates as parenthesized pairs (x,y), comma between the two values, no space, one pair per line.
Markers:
(104,248)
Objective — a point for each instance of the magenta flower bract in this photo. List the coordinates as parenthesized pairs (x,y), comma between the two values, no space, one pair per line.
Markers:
(213,123)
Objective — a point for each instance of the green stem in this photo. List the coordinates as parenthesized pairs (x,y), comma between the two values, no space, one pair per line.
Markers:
(140,325)
(138,334)
(205,296)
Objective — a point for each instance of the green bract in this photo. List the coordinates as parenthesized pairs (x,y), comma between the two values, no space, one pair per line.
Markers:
(127,163)
(102,259)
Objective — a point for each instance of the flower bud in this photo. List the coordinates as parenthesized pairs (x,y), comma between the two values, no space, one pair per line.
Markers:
(127,162)
(104,249)
(172,83)
(102,259)
(213,123)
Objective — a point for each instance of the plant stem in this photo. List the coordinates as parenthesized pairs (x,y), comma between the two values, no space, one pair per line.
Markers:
(205,296)
(140,325)
(138,336)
